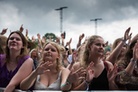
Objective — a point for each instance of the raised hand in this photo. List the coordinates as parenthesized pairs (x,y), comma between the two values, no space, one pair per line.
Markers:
(4,31)
(21,28)
(69,42)
(81,36)
(43,67)
(111,73)
(90,72)
(38,36)
(77,75)
(127,36)
(26,32)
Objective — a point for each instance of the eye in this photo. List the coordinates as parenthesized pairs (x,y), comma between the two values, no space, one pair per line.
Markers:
(99,44)
(46,49)
(53,50)
(12,38)
(17,39)
(103,45)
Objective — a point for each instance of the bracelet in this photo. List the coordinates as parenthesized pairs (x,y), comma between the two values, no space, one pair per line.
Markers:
(66,83)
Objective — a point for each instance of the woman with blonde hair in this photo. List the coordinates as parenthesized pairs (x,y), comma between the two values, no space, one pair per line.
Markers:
(49,73)
(99,74)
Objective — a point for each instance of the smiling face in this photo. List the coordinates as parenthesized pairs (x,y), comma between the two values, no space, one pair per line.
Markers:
(15,42)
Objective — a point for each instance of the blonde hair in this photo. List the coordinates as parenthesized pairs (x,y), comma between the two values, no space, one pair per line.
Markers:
(86,54)
(59,52)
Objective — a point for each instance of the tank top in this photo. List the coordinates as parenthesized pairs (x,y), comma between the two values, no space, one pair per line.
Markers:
(54,86)
(5,75)
(101,82)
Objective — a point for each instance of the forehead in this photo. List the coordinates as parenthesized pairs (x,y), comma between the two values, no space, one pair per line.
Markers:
(15,35)
(49,45)
(97,40)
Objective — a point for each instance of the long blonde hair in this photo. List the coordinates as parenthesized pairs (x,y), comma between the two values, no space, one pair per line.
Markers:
(59,52)
(86,54)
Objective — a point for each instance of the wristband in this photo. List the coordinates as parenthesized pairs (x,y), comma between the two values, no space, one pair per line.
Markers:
(66,84)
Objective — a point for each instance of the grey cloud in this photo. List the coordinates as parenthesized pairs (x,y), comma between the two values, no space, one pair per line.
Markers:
(35,12)
(80,10)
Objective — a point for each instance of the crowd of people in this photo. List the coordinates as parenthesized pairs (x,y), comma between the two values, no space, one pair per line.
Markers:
(44,64)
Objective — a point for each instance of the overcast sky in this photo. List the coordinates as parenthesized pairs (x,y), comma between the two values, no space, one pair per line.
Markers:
(40,16)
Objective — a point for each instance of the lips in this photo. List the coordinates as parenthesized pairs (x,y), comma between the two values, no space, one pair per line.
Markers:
(48,55)
(101,51)
(13,43)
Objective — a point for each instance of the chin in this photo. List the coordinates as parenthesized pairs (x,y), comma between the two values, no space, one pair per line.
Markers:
(12,48)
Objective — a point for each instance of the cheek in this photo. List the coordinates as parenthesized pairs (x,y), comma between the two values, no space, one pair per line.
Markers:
(8,43)
(21,44)
(57,56)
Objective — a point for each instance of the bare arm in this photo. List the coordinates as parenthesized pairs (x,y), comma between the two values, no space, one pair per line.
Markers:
(115,53)
(69,46)
(80,39)
(129,69)
(65,85)
(28,81)
(22,73)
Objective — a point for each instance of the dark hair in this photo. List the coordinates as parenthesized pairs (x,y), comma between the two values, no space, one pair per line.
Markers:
(23,50)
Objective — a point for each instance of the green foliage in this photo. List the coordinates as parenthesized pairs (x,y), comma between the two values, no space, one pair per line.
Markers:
(50,36)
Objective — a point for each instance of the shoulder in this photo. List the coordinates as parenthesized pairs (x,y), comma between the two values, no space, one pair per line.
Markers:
(28,62)
(108,65)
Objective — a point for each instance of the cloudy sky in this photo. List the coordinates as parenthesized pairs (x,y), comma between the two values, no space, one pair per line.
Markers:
(40,16)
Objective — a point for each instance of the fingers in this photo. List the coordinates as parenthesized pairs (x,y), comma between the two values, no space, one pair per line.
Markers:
(77,71)
(114,70)
(46,65)
(80,72)
(126,34)
(90,65)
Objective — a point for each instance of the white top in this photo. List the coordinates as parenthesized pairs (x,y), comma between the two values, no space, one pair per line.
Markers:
(54,86)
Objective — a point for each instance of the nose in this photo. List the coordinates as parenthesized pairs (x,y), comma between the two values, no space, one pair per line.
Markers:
(14,39)
(49,50)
